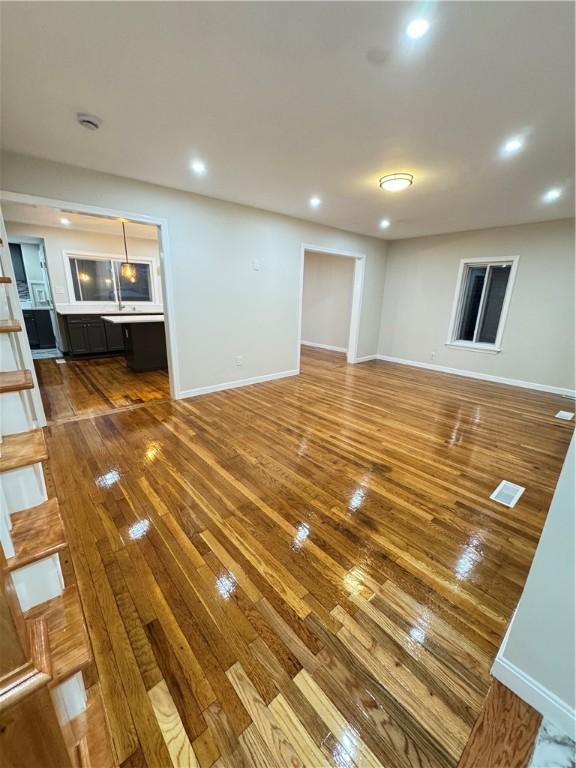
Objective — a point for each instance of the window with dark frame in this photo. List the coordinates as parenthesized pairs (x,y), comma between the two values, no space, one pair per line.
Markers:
(101,280)
(482,296)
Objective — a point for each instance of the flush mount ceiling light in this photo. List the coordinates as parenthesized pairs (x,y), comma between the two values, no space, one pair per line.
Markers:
(66,222)
(198,167)
(315,202)
(395,182)
(90,122)
(417,28)
(385,223)
(552,195)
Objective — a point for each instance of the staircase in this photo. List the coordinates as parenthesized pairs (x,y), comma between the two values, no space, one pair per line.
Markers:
(51,713)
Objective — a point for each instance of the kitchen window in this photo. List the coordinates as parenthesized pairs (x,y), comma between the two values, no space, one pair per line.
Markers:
(481,303)
(99,278)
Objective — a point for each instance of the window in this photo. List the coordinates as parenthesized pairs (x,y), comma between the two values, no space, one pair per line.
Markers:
(96,278)
(482,298)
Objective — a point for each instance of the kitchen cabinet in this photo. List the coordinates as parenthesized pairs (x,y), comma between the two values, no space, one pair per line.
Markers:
(114,337)
(87,335)
(39,328)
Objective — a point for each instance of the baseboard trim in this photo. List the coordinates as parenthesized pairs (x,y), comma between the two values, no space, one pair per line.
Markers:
(329,347)
(234,384)
(482,376)
(549,705)
(366,358)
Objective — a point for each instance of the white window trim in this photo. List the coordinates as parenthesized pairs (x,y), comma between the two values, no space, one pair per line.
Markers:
(98,256)
(457,305)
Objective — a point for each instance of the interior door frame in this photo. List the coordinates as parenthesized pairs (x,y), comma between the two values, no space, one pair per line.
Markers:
(357,291)
(163,245)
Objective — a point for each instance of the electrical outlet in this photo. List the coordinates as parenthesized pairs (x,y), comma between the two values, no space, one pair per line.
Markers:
(433,356)
(239,360)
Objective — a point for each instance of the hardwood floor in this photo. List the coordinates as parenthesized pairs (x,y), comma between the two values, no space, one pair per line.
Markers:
(80,388)
(307,571)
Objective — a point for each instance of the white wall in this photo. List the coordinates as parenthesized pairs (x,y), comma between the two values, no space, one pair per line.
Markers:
(327,299)
(221,306)
(57,240)
(538,342)
(536,659)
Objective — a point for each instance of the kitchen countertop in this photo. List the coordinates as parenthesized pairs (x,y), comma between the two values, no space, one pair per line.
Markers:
(109,309)
(121,319)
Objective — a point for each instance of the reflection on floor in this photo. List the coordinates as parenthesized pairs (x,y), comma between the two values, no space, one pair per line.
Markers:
(80,388)
(307,571)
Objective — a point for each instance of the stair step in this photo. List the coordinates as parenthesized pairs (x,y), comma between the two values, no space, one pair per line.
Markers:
(15,381)
(22,449)
(10,326)
(88,732)
(69,644)
(5,280)
(36,533)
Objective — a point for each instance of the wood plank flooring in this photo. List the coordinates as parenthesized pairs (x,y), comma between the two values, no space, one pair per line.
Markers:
(80,388)
(307,571)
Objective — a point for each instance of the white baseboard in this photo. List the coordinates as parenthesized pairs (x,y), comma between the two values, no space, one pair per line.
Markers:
(233,384)
(481,376)
(329,347)
(366,358)
(550,706)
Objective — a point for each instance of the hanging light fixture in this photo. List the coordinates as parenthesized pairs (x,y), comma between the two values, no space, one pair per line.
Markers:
(127,270)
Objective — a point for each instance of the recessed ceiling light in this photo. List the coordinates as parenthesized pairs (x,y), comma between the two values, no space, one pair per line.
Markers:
(417,28)
(552,195)
(513,145)
(66,222)
(315,202)
(394,182)
(198,167)
(385,223)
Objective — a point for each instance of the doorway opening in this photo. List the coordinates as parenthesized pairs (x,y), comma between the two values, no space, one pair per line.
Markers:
(35,294)
(91,291)
(330,300)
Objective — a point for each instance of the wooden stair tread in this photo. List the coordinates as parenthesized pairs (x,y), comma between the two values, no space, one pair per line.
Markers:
(69,644)
(22,449)
(88,733)
(10,326)
(36,533)
(5,280)
(15,381)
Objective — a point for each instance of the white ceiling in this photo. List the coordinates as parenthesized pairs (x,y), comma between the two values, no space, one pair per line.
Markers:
(41,216)
(286,100)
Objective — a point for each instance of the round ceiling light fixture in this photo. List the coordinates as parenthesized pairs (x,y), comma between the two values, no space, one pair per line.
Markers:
(395,182)
(91,122)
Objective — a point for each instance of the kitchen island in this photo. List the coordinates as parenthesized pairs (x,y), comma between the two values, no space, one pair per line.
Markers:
(144,340)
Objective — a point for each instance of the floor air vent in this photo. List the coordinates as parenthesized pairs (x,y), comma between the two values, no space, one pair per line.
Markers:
(565,415)
(507,493)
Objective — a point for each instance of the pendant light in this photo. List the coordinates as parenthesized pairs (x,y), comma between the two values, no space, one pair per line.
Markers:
(127,270)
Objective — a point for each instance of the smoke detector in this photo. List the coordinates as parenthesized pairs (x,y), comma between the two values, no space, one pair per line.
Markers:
(91,122)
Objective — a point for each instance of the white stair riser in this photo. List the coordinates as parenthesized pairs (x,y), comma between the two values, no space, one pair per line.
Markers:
(23,488)
(69,698)
(38,582)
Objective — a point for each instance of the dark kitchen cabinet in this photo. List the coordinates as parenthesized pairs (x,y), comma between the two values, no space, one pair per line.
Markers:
(78,339)
(114,337)
(86,335)
(39,328)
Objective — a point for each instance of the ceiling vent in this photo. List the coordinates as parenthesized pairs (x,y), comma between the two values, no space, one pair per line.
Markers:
(507,493)
(91,122)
